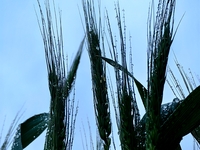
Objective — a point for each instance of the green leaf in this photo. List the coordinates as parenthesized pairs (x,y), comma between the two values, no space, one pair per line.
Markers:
(29,130)
(196,134)
(72,73)
(141,89)
(182,121)
(166,110)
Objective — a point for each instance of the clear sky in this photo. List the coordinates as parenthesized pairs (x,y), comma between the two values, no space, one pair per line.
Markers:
(23,74)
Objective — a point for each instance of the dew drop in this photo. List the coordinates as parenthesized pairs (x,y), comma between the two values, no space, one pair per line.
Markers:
(97,47)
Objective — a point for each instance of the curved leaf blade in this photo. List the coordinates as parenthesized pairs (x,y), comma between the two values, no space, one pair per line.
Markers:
(29,130)
(196,134)
(73,70)
(182,121)
(141,89)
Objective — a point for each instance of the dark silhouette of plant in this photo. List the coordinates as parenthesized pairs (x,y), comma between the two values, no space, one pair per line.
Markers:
(163,125)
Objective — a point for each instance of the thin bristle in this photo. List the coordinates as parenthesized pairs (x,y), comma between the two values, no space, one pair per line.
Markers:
(10,133)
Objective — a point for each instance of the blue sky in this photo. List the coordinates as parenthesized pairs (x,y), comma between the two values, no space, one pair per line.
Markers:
(23,74)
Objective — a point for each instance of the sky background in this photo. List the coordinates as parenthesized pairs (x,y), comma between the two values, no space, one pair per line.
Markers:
(23,74)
